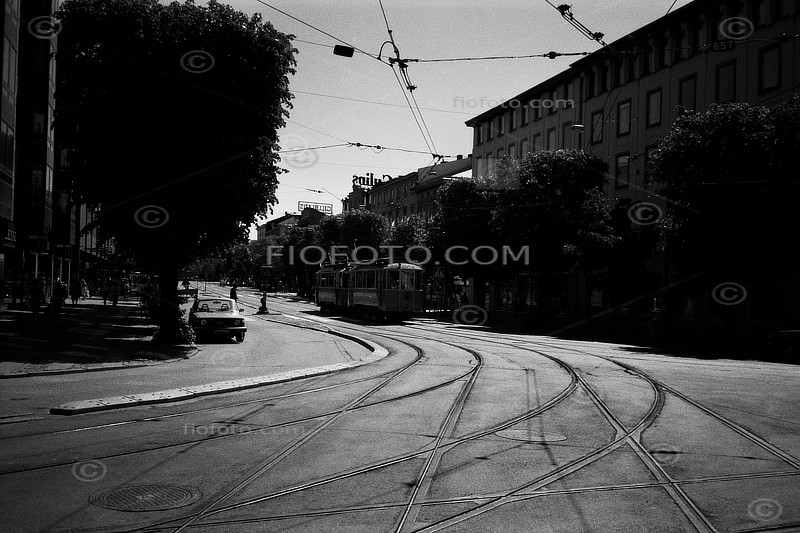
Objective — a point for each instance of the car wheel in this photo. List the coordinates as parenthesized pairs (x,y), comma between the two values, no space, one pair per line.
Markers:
(240,337)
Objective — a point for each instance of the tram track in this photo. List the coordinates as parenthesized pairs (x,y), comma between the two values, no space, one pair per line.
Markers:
(624,436)
(690,509)
(244,481)
(249,430)
(744,432)
(700,522)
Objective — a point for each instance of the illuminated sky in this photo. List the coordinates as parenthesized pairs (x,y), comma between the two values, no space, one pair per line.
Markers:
(340,100)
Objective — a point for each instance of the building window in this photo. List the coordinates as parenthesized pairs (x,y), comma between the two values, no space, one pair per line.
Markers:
(512,150)
(780,8)
(624,118)
(761,12)
(623,171)
(687,92)
(569,95)
(769,68)
(525,107)
(566,135)
(490,129)
(551,139)
(478,170)
(6,146)
(552,97)
(597,127)
(654,107)
(501,122)
(524,148)
(616,74)
(513,125)
(499,154)
(536,104)
(590,83)
(537,142)
(649,152)
(602,79)
(726,82)
(490,164)
(478,132)
(697,37)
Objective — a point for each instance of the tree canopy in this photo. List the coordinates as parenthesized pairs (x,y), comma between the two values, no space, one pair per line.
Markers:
(733,186)
(170,113)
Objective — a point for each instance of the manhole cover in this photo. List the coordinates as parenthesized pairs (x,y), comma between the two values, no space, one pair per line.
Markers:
(145,497)
(528,435)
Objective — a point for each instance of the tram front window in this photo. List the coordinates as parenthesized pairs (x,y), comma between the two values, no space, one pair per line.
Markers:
(393,279)
(407,281)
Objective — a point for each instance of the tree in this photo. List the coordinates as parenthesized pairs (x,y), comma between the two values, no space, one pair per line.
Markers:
(170,113)
(405,234)
(733,184)
(560,212)
(363,228)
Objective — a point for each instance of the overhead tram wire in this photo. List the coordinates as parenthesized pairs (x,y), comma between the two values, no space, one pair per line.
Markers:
(431,146)
(319,30)
(403,67)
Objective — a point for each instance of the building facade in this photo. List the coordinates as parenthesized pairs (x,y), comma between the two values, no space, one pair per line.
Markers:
(616,104)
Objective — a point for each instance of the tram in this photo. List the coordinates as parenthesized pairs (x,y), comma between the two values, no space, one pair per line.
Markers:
(381,289)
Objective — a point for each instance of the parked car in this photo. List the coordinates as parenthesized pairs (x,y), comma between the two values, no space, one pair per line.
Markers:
(217,316)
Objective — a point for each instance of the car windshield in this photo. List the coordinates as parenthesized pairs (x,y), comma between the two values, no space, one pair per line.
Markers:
(217,305)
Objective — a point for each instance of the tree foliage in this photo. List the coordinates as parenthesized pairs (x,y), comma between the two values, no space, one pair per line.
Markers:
(551,202)
(170,113)
(733,186)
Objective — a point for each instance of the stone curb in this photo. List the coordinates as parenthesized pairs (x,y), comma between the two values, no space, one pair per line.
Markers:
(185,393)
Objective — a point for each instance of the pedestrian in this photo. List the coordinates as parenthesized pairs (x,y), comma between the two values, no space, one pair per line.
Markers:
(35,296)
(186,283)
(114,292)
(464,298)
(104,290)
(234,296)
(84,289)
(60,293)
(75,291)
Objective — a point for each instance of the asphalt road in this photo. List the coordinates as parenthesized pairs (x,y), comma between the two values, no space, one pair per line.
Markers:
(458,429)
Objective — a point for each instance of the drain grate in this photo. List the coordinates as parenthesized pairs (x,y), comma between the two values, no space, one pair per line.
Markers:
(145,497)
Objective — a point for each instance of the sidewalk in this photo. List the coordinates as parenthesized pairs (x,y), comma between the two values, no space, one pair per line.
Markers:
(86,337)
(90,337)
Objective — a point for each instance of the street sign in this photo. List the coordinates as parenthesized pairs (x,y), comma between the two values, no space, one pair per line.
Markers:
(324,208)
(438,285)
(438,272)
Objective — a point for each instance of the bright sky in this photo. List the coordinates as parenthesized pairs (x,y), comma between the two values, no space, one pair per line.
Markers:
(340,100)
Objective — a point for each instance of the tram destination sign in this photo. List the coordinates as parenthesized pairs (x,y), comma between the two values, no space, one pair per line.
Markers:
(323,208)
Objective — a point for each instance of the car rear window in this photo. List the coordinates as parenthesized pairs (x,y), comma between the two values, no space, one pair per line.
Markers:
(210,306)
